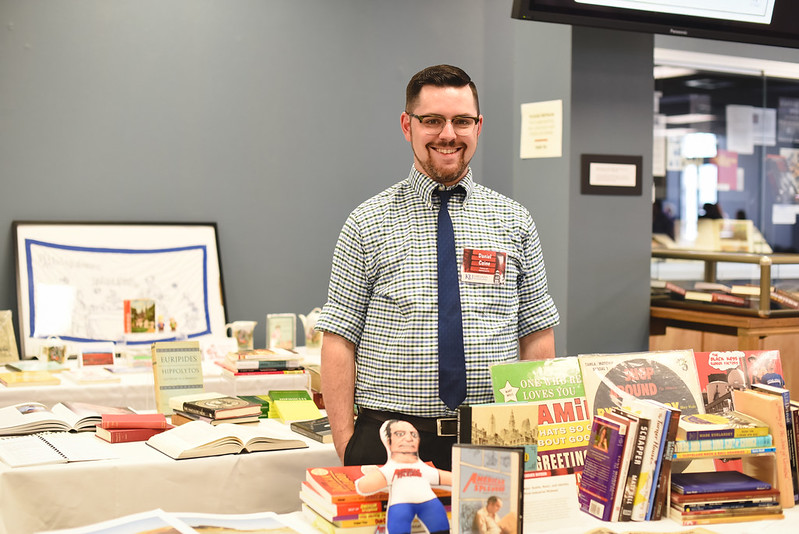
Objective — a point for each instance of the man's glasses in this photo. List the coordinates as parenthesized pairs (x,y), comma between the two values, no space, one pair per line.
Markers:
(434,124)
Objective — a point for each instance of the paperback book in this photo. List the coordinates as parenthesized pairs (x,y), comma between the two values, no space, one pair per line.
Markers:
(483,478)
(293,405)
(603,463)
(734,424)
(29,378)
(715,482)
(177,370)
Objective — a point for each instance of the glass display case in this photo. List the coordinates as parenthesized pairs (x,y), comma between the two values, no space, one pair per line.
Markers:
(762,285)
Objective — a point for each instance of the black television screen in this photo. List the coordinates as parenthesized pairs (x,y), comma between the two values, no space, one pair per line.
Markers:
(767,22)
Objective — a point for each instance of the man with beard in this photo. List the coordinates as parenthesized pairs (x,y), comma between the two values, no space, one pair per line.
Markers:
(382,339)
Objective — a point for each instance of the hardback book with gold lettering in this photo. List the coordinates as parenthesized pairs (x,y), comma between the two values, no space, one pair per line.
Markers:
(177,370)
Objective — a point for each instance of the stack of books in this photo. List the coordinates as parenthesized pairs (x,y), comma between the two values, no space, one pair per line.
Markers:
(264,401)
(122,428)
(260,362)
(331,504)
(628,461)
(719,435)
(213,408)
(722,497)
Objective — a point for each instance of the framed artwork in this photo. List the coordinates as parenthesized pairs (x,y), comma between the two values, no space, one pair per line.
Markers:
(132,282)
(281,331)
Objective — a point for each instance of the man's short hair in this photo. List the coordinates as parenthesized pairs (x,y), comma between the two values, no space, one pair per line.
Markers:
(438,76)
(492,499)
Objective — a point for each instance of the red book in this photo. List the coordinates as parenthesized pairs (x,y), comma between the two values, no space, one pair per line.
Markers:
(134,420)
(124,435)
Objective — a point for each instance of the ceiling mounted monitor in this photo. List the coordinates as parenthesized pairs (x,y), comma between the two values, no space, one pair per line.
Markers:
(766,22)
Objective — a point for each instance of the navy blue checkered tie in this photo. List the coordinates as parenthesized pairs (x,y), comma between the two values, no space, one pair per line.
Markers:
(451,363)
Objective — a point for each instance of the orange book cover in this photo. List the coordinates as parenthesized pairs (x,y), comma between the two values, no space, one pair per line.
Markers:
(134,420)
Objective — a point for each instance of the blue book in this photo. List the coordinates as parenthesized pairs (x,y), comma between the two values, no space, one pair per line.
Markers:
(714,482)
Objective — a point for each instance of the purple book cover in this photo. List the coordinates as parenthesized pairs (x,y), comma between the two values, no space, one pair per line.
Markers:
(601,470)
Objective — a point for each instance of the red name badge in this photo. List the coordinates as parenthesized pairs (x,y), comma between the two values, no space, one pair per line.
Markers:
(483,266)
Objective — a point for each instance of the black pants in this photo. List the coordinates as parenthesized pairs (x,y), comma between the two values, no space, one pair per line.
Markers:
(365,446)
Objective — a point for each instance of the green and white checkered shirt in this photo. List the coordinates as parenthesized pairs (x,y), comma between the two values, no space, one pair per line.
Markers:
(383,292)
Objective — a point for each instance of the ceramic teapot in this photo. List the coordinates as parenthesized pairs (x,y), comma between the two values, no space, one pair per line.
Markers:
(313,339)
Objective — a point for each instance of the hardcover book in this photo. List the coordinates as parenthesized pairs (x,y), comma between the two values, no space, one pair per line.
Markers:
(181,418)
(316,429)
(659,493)
(177,370)
(134,420)
(506,424)
(603,458)
(770,410)
(198,439)
(125,435)
(669,377)
(222,407)
(487,486)
(638,438)
(715,482)
(724,497)
(337,484)
(733,424)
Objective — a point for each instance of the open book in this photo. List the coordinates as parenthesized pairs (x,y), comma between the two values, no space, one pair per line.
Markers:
(197,439)
(32,417)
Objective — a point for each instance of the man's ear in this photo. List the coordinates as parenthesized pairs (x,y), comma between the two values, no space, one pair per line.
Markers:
(405,124)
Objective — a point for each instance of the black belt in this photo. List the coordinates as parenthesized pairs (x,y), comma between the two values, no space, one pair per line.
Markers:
(440,426)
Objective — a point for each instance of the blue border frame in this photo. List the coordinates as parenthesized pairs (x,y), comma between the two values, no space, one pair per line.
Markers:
(32,299)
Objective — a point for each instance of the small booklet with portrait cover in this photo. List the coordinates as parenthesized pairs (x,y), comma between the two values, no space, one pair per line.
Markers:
(487,486)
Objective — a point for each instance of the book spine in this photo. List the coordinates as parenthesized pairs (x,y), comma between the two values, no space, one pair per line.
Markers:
(127,435)
(784,300)
(727,453)
(646,478)
(199,410)
(694,435)
(634,470)
(464,424)
(664,477)
(722,443)
(134,424)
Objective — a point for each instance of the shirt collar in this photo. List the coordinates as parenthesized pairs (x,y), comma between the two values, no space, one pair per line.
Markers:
(424,186)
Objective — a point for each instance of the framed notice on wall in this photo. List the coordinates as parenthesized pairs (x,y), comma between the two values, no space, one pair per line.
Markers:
(77,281)
(602,174)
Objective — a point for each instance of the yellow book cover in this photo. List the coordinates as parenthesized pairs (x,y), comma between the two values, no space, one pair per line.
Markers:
(29,378)
(177,370)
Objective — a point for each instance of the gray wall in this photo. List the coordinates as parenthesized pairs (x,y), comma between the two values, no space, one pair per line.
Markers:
(274,118)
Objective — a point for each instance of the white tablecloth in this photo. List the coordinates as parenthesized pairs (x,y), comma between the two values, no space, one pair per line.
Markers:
(66,495)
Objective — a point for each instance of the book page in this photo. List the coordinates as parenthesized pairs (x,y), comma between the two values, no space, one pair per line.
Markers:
(27,418)
(79,447)
(22,451)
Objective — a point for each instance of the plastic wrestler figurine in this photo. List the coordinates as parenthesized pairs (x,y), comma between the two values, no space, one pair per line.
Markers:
(409,481)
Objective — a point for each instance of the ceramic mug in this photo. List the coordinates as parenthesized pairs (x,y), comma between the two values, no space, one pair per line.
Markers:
(242,331)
